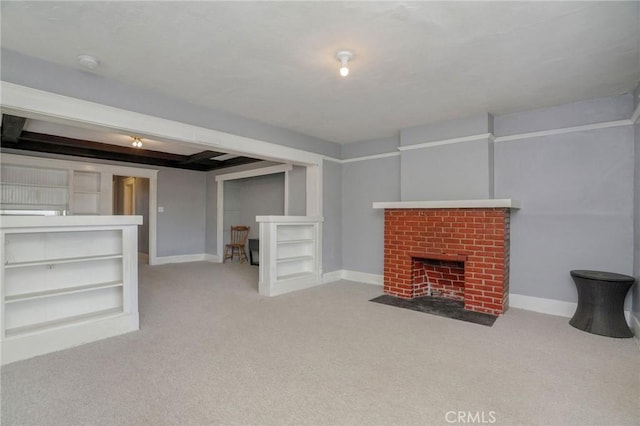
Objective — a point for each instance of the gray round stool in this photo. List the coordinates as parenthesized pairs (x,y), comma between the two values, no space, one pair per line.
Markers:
(601,303)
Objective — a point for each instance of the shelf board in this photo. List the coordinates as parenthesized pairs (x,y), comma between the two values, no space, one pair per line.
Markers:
(60,291)
(300,241)
(63,321)
(292,276)
(61,261)
(35,185)
(86,192)
(294,258)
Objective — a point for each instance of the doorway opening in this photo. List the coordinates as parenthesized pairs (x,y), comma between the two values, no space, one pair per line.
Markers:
(131,197)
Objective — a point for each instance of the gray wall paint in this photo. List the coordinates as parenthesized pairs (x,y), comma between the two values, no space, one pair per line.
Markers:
(372,147)
(332,212)
(364,182)
(142,209)
(577,192)
(636,226)
(211,214)
(563,116)
(231,214)
(476,125)
(32,72)
(180,228)
(446,172)
(298,191)
(260,195)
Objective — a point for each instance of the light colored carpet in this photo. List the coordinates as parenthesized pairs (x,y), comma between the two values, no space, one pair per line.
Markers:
(212,351)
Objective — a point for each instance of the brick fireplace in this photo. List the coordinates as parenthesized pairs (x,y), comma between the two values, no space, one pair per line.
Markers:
(451,252)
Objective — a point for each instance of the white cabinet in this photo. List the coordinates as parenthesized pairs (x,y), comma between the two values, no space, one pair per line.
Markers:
(66,281)
(290,253)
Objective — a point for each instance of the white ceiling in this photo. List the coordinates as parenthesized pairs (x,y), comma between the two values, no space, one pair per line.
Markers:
(415,62)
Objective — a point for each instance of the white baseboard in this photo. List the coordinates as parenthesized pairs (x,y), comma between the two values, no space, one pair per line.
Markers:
(361,277)
(550,306)
(183,258)
(542,305)
(332,276)
(42,342)
(529,303)
(635,326)
(213,258)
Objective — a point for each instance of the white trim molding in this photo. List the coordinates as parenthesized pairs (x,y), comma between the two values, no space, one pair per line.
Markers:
(596,126)
(213,258)
(450,204)
(369,157)
(255,172)
(542,305)
(483,136)
(182,258)
(558,308)
(491,137)
(356,276)
(329,277)
(186,258)
(363,277)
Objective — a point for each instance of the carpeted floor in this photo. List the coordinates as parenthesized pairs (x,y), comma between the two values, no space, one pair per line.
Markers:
(212,351)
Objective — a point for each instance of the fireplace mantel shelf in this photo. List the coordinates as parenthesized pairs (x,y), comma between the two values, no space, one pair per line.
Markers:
(450,204)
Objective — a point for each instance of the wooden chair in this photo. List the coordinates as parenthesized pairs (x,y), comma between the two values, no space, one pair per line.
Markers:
(238,240)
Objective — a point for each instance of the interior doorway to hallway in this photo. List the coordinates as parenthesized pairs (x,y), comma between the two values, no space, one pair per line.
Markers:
(131,197)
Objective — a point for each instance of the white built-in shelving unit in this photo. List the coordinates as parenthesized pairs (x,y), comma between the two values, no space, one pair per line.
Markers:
(290,254)
(30,186)
(86,192)
(66,281)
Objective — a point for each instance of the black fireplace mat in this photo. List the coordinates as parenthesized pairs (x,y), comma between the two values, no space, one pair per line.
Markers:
(438,306)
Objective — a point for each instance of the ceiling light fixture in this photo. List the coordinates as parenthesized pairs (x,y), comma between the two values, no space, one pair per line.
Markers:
(89,62)
(137,142)
(344,56)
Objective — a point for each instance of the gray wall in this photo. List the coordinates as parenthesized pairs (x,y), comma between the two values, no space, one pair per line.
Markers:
(231,208)
(462,170)
(576,188)
(332,212)
(459,171)
(182,194)
(636,216)
(576,191)
(260,195)
(364,182)
(298,191)
(142,208)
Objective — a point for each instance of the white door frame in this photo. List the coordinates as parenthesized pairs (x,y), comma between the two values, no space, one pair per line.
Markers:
(220,179)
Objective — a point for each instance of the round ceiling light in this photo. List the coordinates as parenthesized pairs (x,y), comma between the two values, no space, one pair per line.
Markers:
(89,62)
(344,56)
